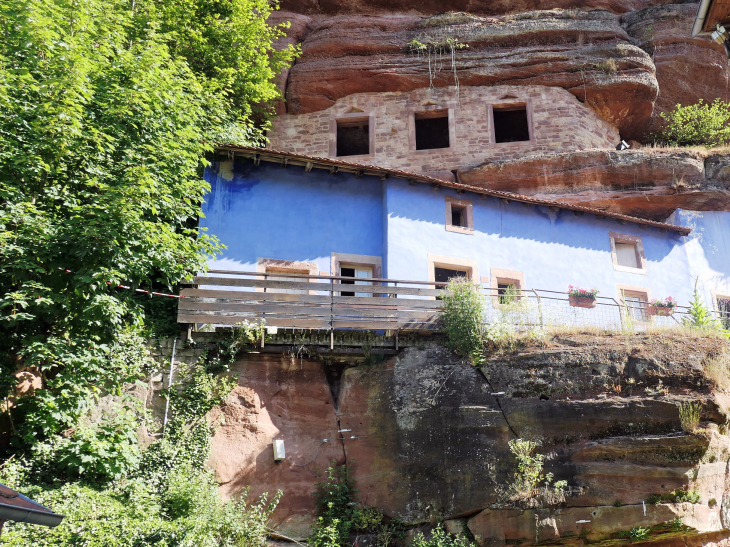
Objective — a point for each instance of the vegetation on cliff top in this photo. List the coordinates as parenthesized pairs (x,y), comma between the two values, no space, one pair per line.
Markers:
(699,124)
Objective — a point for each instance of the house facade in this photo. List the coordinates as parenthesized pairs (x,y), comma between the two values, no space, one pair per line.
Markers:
(280,213)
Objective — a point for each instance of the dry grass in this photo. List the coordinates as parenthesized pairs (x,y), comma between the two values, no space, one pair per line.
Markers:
(689,415)
(717,371)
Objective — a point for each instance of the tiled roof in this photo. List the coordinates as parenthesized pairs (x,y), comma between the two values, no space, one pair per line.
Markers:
(16,507)
(335,165)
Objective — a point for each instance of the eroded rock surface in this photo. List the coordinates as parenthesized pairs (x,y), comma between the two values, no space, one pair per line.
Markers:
(430,438)
(585,52)
(649,183)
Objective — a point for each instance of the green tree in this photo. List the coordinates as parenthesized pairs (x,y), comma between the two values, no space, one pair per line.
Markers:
(107,109)
(698,124)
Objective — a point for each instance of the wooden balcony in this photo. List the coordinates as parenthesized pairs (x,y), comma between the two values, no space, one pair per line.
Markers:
(311,301)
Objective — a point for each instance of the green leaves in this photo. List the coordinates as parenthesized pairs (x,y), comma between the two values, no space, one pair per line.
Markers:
(697,125)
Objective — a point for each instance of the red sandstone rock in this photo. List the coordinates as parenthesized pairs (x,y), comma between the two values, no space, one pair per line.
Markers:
(648,183)
(277,398)
(687,68)
(587,53)
(484,7)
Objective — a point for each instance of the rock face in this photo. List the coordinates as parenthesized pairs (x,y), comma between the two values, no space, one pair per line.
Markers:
(427,437)
(584,52)
(687,68)
(648,183)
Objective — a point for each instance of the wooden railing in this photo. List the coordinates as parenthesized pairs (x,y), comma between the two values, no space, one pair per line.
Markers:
(381,304)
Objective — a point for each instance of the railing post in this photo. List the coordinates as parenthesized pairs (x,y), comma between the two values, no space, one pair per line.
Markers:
(539,306)
(332,314)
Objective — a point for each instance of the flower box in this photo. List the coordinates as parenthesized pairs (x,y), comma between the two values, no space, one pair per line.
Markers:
(582,302)
(663,311)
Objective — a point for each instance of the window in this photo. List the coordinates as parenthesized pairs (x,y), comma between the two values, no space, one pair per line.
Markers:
(432,129)
(443,268)
(506,285)
(635,302)
(359,272)
(444,275)
(507,292)
(459,216)
(627,253)
(510,123)
(723,310)
(353,136)
(285,268)
(357,266)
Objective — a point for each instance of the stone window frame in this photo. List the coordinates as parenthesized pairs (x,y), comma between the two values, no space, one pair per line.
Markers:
(468,265)
(431,111)
(338,259)
(468,205)
(617,237)
(497,275)
(621,289)
(274,265)
(352,117)
(511,103)
(717,295)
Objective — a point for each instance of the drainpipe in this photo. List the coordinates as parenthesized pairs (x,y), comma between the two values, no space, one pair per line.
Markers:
(700,19)
(169,383)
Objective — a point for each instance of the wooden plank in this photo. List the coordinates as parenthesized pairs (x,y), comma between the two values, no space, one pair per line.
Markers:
(311,323)
(718,13)
(312,298)
(301,309)
(336,287)
(260,275)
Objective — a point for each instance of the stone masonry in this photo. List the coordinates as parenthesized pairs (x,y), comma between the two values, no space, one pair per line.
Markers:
(560,123)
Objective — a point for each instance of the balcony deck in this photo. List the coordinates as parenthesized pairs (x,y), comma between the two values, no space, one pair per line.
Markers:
(311,301)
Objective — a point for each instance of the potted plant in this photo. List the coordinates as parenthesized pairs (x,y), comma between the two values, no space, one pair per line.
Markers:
(582,298)
(665,307)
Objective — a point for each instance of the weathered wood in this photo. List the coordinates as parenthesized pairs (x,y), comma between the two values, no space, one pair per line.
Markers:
(320,287)
(261,275)
(310,298)
(311,323)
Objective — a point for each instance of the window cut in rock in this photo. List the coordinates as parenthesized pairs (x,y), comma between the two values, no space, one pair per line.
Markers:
(432,130)
(353,137)
(511,124)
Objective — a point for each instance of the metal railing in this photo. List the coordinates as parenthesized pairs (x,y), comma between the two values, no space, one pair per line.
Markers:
(342,302)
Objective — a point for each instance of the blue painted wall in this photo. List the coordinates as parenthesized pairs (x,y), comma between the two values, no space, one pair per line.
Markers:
(552,249)
(288,214)
(708,250)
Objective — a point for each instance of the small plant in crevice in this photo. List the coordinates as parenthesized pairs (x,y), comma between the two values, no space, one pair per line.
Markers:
(678,496)
(529,484)
(464,319)
(339,515)
(618,503)
(689,416)
(440,538)
(435,49)
(677,524)
(223,354)
(637,533)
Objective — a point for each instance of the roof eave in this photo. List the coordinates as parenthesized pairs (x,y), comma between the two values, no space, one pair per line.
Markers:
(285,158)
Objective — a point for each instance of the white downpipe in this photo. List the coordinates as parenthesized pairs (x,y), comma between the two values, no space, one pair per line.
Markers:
(700,19)
(169,383)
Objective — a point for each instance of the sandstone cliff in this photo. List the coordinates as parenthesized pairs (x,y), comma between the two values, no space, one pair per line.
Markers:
(428,438)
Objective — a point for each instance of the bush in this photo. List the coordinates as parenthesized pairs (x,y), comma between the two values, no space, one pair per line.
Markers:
(696,125)
(439,538)
(529,483)
(464,319)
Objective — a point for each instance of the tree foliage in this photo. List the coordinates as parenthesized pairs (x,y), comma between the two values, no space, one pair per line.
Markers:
(698,124)
(107,109)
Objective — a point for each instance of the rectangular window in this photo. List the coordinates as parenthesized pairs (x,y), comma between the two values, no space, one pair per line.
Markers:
(459,215)
(723,310)
(353,137)
(507,292)
(506,286)
(358,272)
(510,124)
(444,275)
(432,130)
(627,253)
(635,303)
